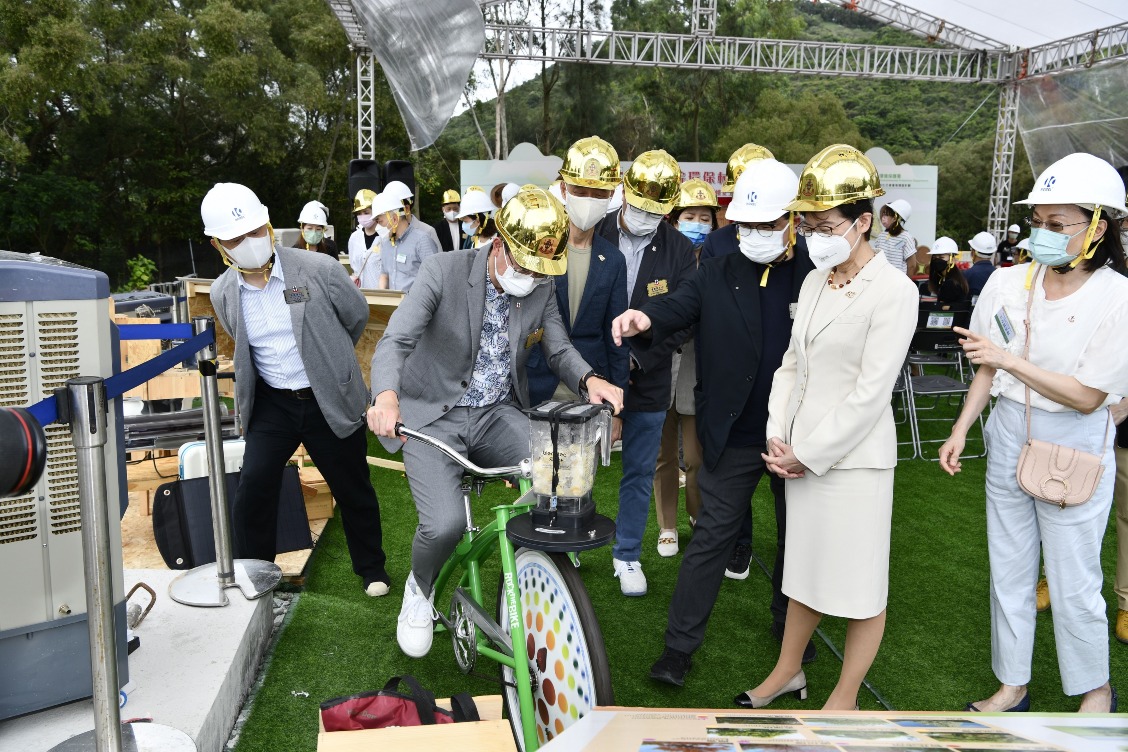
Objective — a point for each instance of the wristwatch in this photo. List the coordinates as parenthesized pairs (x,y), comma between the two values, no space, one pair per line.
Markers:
(584,380)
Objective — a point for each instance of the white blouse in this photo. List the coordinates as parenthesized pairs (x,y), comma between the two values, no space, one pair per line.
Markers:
(1080,335)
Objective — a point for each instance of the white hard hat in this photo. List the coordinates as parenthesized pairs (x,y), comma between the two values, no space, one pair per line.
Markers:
(944,246)
(314,213)
(1082,180)
(901,208)
(617,200)
(1024,244)
(762,192)
(230,210)
(983,243)
(475,202)
(1015,229)
(509,191)
(385,202)
(398,190)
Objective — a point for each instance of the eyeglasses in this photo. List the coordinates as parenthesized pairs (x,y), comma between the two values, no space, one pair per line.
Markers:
(764,230)
(824,231)
(1051,226)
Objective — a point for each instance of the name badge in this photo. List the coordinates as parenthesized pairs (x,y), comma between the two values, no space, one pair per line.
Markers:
(401,258)
(1004,323)
(534,338)
(791,308)
(296,295)
(657,287)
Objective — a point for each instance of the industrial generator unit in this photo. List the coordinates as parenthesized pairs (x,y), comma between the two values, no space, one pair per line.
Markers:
(54,325)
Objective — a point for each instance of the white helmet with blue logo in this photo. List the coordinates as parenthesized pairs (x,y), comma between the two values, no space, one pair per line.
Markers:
(1082,180)
(762,192)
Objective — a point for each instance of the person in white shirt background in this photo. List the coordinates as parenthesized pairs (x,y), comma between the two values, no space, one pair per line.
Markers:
(364,250)
(894,241)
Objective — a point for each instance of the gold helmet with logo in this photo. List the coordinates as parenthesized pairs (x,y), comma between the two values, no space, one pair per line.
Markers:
(739,160)
(592,163)
(696,192)
(653,182)
(534,225)
(363,200)
(836,175)
(451,197)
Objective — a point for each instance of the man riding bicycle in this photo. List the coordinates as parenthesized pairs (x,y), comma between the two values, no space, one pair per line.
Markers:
(452,361)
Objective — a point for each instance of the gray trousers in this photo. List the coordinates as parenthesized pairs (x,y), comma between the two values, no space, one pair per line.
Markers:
(493,436)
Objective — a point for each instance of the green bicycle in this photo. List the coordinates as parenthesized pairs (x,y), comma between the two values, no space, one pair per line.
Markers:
(545,638)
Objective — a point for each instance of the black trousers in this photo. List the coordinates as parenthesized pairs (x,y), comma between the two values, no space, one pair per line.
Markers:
(279,423)
(726,494)
(779,600)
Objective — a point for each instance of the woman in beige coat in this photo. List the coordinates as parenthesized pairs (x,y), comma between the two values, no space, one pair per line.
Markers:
(830,426)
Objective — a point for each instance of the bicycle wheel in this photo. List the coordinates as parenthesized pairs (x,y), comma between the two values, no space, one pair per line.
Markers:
(567,659)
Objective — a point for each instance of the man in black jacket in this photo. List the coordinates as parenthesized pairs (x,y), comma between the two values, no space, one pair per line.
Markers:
(449,229)
(743,304)
(659,259)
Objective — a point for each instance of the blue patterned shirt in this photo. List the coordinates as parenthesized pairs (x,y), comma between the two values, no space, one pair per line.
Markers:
(490,383)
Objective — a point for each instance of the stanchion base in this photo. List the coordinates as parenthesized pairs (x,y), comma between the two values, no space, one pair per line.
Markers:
(201,586)
(135,737)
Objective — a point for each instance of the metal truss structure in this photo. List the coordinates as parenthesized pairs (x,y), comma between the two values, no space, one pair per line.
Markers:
(967,57)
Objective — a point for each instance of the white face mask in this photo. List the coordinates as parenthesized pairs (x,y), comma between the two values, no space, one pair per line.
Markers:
(513,282)
(451,216)
(382,231)
(640,223)
(585,211)
(760,249)
(832,251)
(252,253)
(365,220)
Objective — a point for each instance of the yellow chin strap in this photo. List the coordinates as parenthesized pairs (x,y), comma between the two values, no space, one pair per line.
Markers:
(791,236)
(265,270)
(1088,252)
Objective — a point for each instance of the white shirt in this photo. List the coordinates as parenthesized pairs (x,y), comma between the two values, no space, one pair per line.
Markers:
(270,332)
(1080,335)
(364,261)
(455,228)
(897,249)
(633,247)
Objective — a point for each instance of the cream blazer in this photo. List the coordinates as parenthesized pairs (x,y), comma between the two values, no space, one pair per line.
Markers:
(831,396)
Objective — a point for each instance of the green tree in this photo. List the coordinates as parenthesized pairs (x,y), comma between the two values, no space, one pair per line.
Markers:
(795,128)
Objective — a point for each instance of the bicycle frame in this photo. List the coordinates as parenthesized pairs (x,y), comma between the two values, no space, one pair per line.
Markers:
(476,546)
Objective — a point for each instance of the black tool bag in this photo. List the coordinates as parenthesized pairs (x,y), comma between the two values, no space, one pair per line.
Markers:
(182,519)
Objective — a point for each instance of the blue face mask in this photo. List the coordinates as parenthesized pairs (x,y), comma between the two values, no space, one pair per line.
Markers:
(1048,247)
(468,228)
(695,231)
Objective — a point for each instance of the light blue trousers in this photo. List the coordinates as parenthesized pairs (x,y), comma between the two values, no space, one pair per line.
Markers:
(1070,540)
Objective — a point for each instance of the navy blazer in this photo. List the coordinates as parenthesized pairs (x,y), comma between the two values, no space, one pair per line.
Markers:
(605,297)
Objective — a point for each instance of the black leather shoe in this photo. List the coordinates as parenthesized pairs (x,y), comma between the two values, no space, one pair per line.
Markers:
(810,653)
(1023,705)
(672,667)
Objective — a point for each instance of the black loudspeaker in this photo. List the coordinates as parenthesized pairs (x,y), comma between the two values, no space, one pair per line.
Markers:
(401,170)
(364,173)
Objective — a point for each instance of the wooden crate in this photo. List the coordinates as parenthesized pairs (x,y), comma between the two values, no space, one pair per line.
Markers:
(318,499)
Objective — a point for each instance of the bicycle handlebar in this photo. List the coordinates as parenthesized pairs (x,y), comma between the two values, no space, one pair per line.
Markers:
(523,470)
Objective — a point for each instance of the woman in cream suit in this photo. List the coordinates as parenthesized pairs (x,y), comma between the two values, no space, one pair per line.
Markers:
(830,426)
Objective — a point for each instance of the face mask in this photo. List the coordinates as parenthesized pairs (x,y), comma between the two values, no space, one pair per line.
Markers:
(451,216)
(695,231)
(382,231)
(313,237)
(832,251)
(365,220)
(468,228)
(252,253)
(640,223)
(1048,248)
(513,282)
(760,249)
(585,211)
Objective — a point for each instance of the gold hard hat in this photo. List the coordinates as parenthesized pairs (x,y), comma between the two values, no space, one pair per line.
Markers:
(451,197)
(363,200)
(534,226)
(696,192)
(836,175)
(739,160)
(653,182)
(592,163)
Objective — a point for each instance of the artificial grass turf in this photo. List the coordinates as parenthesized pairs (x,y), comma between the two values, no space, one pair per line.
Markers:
(935,655)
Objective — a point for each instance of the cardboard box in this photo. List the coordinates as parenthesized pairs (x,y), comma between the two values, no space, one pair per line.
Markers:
(491,733)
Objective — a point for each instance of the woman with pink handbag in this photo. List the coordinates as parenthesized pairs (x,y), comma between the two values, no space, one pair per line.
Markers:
(1046,338)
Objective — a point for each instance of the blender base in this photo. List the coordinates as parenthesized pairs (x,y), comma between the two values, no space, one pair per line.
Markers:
(523,533)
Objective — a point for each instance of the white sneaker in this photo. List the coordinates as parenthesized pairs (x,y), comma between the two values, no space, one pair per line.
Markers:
(631,579)
(416,621)
(376,589)
(667,543)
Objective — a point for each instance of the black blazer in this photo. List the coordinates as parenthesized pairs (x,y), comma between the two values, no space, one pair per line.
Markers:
(442,229)
(666,263)
(724,299)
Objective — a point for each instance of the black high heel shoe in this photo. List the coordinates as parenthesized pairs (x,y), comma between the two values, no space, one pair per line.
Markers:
(1022,705)
(797,685)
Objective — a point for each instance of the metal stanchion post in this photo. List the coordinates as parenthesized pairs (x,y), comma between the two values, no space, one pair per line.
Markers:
(205,585)
(87,399)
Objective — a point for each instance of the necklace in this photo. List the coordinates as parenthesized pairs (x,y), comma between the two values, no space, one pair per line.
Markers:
(830,279)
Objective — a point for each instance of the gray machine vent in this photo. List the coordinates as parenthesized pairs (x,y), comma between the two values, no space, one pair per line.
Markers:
(56,336)
(18,520)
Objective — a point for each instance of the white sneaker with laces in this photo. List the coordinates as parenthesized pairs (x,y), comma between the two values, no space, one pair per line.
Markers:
(631,579)
(667,543)
(415,629)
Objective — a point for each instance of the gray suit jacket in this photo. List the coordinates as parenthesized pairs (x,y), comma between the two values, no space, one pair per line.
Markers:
(326,328)
(427,353)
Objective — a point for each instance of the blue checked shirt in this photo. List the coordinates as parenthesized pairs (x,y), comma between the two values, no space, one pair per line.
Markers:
(490,383)
(270,332)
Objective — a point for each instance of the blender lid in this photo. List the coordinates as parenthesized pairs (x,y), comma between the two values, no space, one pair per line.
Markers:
(565,412)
